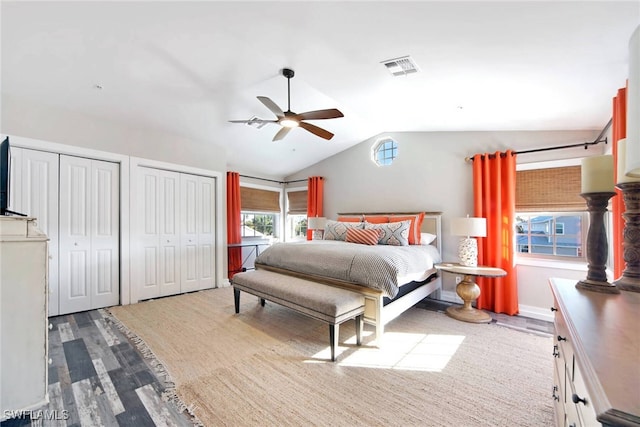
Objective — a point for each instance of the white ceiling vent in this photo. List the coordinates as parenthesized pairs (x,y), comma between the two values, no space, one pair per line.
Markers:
(401,66)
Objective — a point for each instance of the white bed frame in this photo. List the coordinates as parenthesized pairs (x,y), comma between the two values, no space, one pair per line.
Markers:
(376,313)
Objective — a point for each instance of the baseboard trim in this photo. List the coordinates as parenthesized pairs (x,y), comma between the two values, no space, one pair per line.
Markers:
(533,312)
(528,311)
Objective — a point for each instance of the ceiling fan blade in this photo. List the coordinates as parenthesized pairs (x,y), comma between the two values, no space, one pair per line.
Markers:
(281,134)
(331,113)
(253,121)
(316,130)
(272,106)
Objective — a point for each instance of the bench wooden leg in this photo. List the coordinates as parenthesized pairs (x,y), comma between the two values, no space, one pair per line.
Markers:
(236,298)
(359,326)
(334,332)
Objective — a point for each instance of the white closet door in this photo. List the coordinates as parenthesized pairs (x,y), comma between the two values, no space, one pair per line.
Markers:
(105,234)
(89,234)
(75,234)
(197,220)
(158,233)
(169,233)
(34,180)
(206,235)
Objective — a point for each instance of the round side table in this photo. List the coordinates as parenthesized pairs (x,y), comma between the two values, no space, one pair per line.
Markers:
(469,291)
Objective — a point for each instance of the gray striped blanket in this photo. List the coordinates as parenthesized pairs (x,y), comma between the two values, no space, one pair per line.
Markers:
(376,266)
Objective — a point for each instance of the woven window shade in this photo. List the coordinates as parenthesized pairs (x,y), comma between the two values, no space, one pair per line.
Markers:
(297,202)
(257,200)
(549,190)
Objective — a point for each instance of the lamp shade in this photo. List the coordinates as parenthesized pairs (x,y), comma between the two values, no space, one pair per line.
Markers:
(316,223)
(469,226)
(622,161)
(632,168)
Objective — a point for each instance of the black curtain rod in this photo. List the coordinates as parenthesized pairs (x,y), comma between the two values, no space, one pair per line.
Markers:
(586,145)
(273,180)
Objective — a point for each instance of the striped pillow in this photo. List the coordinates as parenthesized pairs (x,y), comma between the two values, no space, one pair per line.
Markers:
(364,237)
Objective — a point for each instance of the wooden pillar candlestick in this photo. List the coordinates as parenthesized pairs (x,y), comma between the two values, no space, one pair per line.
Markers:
(630,279)
(597,245)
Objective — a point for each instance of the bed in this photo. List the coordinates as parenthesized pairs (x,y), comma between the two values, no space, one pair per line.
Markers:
(391,278)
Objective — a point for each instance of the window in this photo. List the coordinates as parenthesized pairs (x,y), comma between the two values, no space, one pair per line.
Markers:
(538,234)
(551,219)
(385,151)
(296,223)
(260,212)
(261,225)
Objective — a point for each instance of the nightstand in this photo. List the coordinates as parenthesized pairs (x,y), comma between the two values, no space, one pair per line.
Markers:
(469,291)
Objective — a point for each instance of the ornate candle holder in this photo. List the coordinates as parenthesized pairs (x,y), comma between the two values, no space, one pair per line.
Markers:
(630,279)
(597,245)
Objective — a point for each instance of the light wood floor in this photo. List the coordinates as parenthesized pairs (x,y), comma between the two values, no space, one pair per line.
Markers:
(98,377)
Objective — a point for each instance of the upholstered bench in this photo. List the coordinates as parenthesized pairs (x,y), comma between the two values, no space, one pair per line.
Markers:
(322,302)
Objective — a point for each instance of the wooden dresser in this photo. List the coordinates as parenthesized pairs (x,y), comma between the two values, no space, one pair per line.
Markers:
(597,357)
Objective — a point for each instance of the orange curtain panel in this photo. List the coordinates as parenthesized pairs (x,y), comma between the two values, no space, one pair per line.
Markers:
(315,192)
(619,131)
(233,223)
(494,198)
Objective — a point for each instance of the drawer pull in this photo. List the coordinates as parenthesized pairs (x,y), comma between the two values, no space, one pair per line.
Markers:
(561,338)
(553,393)
(554,309)
(556,353)
(576,399)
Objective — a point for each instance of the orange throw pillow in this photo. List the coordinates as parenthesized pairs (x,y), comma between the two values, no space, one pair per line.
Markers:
(376,219)
(416,226)
(364,237)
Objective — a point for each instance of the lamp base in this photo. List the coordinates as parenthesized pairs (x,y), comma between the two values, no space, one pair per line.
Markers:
(468,252)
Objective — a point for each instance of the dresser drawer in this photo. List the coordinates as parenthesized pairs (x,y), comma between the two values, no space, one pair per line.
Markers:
(563,342)
(579,397)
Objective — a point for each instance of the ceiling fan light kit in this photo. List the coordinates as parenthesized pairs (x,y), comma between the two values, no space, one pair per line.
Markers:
(289,120)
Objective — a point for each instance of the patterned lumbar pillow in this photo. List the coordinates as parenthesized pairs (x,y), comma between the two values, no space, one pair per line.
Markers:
(336,230)
(364,237)
(395,233)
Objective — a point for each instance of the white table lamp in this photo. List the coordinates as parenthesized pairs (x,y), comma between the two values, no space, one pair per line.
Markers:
(317,224)
(470,228)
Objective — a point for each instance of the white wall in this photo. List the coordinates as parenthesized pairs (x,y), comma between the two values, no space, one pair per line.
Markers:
(23,118)
(430,173)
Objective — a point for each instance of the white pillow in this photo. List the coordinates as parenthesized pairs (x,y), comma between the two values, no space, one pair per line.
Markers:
(427,238)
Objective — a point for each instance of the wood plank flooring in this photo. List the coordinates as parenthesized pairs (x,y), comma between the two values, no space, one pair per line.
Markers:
(99,378)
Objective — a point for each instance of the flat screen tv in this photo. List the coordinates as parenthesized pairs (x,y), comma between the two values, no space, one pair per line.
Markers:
(5,174)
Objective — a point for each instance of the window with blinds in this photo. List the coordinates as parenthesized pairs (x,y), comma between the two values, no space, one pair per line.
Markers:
(549,190)
(258,200)
(296,224)
(551,218)
(260,212)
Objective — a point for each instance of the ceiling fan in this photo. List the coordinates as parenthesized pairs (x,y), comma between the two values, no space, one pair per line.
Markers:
(289,120)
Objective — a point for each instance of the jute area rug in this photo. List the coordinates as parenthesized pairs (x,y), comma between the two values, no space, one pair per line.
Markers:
(269,366)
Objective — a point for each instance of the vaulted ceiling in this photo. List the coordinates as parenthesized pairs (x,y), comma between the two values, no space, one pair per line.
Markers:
(189,67)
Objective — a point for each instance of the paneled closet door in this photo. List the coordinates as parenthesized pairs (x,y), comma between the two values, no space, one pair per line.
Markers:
(34,181)
(89,234)
(197,198)
(158,271)
(105,234)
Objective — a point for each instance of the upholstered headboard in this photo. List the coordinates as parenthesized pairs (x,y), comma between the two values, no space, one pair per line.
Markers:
(432,222)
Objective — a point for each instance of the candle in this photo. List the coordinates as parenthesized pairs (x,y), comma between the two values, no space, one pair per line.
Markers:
(622,162)
(597,174)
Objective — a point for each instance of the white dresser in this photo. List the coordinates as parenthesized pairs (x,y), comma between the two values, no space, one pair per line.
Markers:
(597,357)
(23,316)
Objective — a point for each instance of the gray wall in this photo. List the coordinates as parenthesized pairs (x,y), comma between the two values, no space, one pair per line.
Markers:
(430,173)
